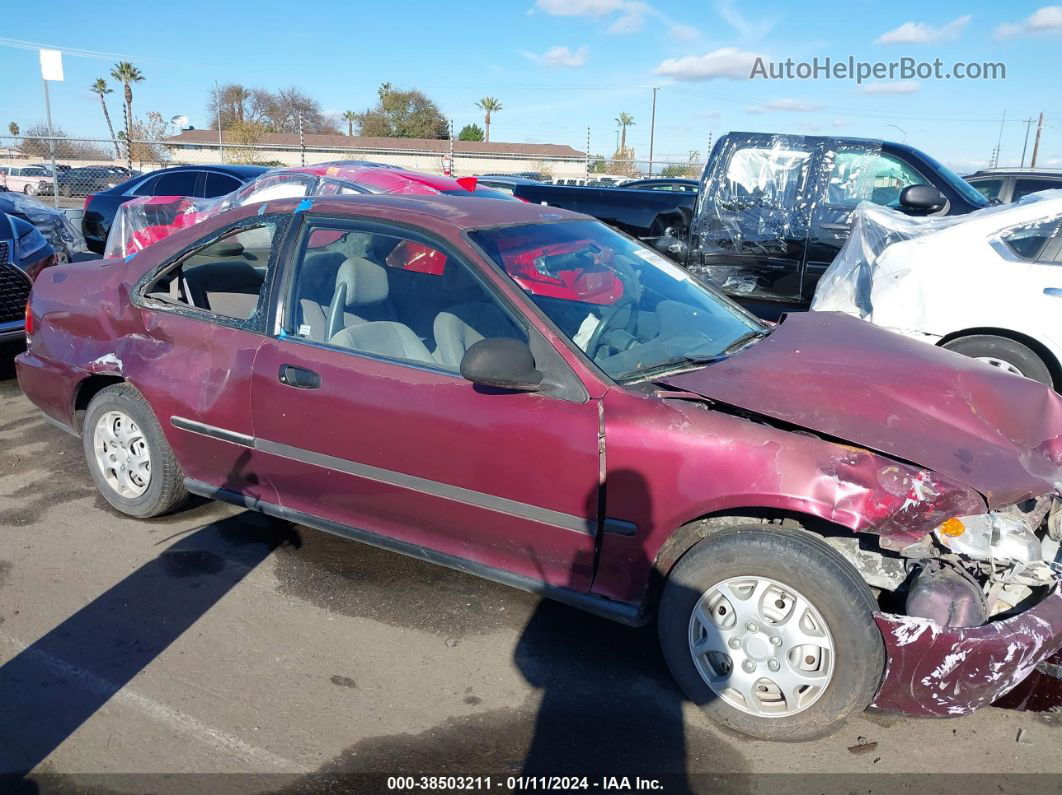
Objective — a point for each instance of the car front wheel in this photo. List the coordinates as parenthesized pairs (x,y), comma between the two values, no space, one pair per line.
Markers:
(128,456)
(771,632)
(1004,353)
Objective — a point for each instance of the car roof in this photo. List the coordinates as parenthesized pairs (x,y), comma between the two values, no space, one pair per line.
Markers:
(461,212)
(1017,172)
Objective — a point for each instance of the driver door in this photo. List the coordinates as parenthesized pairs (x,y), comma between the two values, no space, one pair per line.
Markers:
(364,422)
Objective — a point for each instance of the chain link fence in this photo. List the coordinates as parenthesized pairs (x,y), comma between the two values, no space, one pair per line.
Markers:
(63,171)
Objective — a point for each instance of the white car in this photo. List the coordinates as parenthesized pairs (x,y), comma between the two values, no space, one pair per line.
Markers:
(987,284)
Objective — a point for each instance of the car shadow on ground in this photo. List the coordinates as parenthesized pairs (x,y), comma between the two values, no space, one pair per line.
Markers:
(54,685)
(604,702)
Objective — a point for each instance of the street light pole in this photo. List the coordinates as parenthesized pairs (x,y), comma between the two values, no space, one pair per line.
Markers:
(652,132)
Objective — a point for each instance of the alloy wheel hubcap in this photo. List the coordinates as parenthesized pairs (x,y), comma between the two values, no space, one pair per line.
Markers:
(761,646)
(1002,365)
(122,454)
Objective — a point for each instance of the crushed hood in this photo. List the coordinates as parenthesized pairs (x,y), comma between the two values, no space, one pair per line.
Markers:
(833,374)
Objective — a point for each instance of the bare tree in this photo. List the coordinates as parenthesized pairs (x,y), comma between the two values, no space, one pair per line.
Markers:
(276,111)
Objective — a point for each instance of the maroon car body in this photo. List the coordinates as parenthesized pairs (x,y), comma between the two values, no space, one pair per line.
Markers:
(826,422)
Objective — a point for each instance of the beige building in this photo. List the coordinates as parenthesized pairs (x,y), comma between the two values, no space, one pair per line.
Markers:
(416,154)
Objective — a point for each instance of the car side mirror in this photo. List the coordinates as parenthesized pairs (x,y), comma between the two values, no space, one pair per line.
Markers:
(501,363)
(921,199)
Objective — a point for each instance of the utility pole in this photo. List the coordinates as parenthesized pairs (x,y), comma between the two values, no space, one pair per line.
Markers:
(652,132)
(217,106)
(450,167)
(1036,142)
(1028,125)
(302,141)
(999,141)
(586,162)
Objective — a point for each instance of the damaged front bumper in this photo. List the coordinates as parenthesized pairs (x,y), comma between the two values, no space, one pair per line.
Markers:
(939,671)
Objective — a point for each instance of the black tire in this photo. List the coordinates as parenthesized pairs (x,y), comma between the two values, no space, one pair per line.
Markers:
(799,561)
(165,490)
(1021,357)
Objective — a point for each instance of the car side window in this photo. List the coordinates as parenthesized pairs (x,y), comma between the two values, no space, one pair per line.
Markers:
(219,184)
(176,183)
(225,278)
(990,188)
(869,176)
(1029,240)
(393,296)
(1024,186)
(332,188)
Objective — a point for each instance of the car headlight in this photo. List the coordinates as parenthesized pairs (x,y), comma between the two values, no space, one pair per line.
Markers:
(1002,537)
(30,243)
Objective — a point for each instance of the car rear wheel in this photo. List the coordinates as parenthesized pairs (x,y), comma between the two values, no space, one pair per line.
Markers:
(29,190)
(128,455)
(1004,353)
(771,632)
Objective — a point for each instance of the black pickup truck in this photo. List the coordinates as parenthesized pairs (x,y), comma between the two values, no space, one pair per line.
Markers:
(773,210)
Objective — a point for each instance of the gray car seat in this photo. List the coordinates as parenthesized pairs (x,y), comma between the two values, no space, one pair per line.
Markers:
(384,338)
(362,295)
(460,327)
(317,286)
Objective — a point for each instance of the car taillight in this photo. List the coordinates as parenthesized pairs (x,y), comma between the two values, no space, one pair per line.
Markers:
(29,319)
(88,198)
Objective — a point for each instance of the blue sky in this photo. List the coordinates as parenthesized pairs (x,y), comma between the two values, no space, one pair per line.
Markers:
(559,66)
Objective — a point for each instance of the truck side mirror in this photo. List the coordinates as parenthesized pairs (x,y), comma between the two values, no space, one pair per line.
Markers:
(502,363)
(921,199)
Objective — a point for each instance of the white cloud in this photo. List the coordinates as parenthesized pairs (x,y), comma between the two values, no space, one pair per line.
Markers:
(632,15)
(724,62)
(924,33)
(787,104)
(895,87)
(750,29)
(1044,21)
(632,20)
(560,56)
(579,8)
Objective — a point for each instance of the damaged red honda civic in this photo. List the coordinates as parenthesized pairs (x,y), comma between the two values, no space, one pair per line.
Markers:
(821,516)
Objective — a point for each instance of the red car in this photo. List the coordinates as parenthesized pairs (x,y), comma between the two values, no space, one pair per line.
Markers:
(821,515)
(149,219)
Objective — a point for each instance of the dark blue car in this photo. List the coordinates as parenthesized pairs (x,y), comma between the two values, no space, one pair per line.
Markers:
(204,181)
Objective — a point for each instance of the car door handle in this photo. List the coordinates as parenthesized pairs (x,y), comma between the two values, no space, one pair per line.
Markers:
(298,377)
(836,227)
(1053,291)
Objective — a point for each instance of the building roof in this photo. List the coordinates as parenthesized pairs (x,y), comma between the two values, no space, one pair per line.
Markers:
(439,145)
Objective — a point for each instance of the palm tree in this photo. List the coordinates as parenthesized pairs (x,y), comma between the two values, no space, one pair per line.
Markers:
(624,120)
(14,129)
(100,87)
(350,117)
(383,90)
(127,74)
(488,105)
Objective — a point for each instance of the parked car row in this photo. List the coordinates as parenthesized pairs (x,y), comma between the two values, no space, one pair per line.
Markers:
(142,221)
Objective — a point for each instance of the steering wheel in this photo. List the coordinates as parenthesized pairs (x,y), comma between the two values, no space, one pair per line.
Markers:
(608,319)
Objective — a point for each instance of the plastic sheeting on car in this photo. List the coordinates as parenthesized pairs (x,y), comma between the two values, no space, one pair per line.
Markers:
(762,193)
(53,224)
(850,283)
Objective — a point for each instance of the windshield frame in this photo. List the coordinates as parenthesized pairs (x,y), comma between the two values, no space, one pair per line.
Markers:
(537,314)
